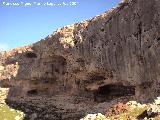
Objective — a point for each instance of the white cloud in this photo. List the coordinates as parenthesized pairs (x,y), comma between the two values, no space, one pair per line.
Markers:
(3,46)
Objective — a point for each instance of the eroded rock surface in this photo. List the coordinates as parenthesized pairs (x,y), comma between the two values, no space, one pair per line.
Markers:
(111,55)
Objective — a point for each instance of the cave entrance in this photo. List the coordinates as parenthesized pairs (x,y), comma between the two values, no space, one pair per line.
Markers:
(31,55)
(32,92)
(58,65)
(110,92)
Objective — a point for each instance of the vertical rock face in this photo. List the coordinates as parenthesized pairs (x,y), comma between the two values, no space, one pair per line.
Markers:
(113,54)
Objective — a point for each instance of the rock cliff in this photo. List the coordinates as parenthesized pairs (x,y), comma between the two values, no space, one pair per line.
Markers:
(111,55)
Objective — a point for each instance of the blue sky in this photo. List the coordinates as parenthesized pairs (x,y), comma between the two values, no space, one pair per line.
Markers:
(22,25)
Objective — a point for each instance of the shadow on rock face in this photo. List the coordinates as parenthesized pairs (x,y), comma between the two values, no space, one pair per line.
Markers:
(111,92)
(146,114)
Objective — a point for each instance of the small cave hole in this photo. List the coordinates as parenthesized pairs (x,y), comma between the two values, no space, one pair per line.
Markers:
(110,92)
(158,39)
(102,30)
(75,42)
(32,92)
(31,55)
(149,46)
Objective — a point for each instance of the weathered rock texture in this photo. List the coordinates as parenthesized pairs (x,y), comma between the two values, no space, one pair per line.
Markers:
(114,54)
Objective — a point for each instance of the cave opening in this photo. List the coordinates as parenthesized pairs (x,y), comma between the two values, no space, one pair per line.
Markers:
(32,92)
(58,65)
(31,55)
(110,92)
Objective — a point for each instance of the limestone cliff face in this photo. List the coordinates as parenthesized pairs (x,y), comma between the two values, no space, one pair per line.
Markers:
(113,54)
